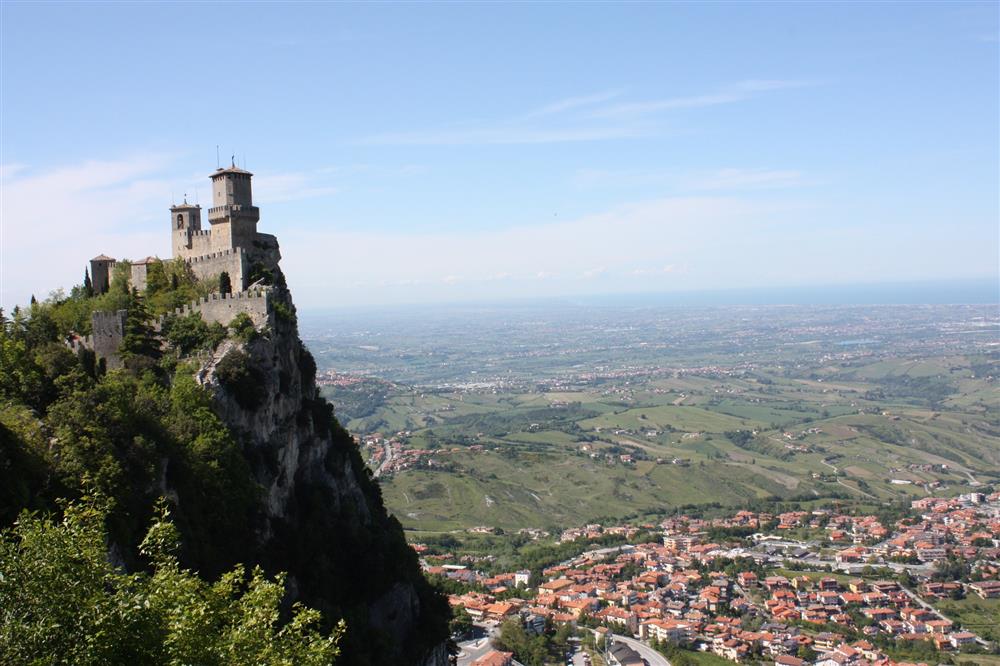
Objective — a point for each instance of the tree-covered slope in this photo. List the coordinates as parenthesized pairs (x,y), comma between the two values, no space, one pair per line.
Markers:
(227,424)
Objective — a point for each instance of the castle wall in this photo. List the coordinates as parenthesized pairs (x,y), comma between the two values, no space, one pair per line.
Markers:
(222,308)
(108,330)
(222,237)
(208,267)
(138,278)
(100,275)
(192,243)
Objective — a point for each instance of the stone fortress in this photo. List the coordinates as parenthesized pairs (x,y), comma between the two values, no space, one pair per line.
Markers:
(232,245)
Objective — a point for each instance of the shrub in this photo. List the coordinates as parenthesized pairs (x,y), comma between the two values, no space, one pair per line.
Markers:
(243,328)
(244,382)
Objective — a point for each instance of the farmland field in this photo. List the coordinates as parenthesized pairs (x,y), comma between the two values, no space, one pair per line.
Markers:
(575,415)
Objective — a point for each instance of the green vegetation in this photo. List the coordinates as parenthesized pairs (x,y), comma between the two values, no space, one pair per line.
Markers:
(533,650)
(65,603)
(981,616)
(68,427)
(553,459)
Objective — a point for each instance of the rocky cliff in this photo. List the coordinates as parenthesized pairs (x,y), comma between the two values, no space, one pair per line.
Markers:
(321,516)
(214,406)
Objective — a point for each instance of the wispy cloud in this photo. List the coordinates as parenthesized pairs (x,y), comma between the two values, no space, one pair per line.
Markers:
(502,135)
(571,103)
(65,215)
(743,179)
(727,95)
(575,119)
(728,179)
(293,186)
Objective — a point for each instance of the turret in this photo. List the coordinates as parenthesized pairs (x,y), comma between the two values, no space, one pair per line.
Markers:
(100,272)
(233,215)
(185,221)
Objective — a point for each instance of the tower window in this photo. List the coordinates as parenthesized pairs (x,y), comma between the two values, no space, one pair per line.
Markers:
(180,221)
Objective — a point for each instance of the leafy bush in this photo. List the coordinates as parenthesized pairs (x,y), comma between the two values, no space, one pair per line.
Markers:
(243,328)
(189,332)
(65,603)
(241,379)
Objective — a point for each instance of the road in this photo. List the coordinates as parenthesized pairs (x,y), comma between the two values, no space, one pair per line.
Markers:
(474,649)
(851,488)
(652,657)
(388,459)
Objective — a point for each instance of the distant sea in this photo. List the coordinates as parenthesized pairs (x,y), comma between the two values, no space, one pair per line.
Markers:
(885,293)
(948,292)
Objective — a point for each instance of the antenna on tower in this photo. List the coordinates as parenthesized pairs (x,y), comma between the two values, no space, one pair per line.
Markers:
(217,165)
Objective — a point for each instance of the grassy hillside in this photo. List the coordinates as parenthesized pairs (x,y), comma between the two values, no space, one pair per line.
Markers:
(553,459)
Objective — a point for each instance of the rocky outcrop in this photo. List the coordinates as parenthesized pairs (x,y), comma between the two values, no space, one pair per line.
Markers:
(321,515)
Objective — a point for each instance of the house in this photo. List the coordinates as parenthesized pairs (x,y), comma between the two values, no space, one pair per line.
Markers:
(788,660)
(622,655)
(987,589)
(495,658)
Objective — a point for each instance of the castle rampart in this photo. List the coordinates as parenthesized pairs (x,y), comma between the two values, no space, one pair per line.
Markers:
(108,331)
(233,261)
(223,308)
(109,327)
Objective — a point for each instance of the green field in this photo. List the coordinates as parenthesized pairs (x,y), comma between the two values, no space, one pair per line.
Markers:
(981,616)
(876,429)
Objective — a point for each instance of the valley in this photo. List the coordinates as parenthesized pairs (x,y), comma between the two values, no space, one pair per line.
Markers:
(542,418)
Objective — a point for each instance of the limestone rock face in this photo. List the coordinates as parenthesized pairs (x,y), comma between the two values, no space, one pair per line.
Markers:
(321,515)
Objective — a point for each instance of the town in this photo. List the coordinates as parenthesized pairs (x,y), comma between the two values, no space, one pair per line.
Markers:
(800,587)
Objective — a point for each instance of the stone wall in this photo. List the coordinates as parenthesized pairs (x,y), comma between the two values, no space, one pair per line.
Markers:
(222,308)
(108,330)
(208,267)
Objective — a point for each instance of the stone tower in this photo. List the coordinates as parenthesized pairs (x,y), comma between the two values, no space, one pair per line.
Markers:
(100,272)
(187,237)
(233,215)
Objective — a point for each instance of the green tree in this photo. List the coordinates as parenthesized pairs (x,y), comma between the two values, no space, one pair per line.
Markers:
(461,622)
(225,283)
(65,603)
(138,342)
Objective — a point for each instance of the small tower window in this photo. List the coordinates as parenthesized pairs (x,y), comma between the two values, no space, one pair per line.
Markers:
(180,221)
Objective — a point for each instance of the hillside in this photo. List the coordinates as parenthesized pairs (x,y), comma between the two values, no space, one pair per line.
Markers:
(226,422)
(539,434)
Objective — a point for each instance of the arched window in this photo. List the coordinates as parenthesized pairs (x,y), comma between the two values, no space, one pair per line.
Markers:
(180,221)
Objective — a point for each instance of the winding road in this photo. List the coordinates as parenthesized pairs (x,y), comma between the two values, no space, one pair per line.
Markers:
(652,657)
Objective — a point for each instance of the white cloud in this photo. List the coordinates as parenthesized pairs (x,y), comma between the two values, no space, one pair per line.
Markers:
(293,186)
(557,122)
(501,135)
(742,179)
(729,179)
(733,93)
(53,221)
(526,259)
(573,103)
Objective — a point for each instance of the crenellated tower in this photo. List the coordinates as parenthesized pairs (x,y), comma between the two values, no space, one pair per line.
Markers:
(188,238)
(233,216)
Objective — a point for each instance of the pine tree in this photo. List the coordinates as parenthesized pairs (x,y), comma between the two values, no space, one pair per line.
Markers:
(88,286)
(138,338)
(225,283)
(34,301)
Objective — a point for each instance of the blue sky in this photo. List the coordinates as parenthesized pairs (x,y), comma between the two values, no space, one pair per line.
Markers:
(431,152)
